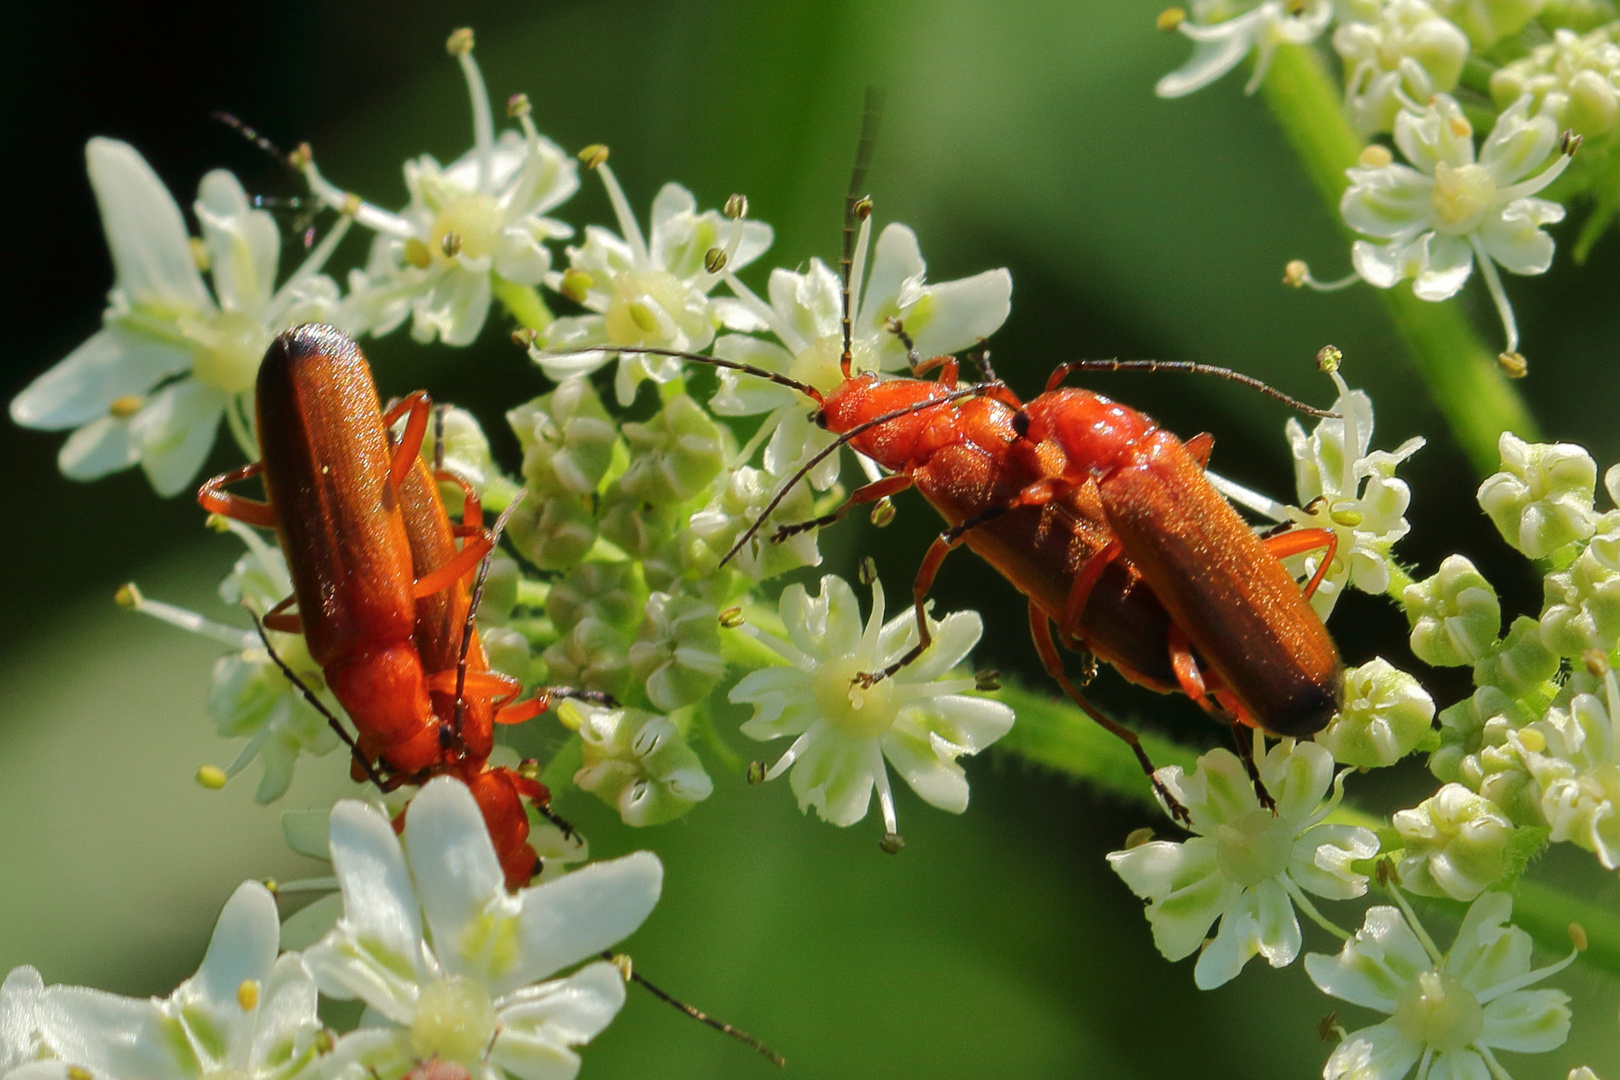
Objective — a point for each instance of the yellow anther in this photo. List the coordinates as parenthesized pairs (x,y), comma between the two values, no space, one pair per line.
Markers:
(731,618)
(529,769)
(714,260)
(1577,936)
(128,597)
(1296,273)
(247,995)
(736,207)
(626,968)
(643,316)
(200,254)
(576,284)
(460,42)
(593,155)
(217,522)
(1348,518)
(451,245)
(1461,128)
(1513,364)
(1375,156)
(1532,740)
(1328,359)
(524,336)
(79,1072)
(352,203)
(1596,662)
(211,777)
(1137,837)
(1171,19)
(417,254)
(126,406)
(517,105)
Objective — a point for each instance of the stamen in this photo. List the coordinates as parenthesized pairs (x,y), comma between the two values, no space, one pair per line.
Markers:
(1527,979)
(311,266)
(1493,282)
(857,269)
(461,47)
(880,777)
(130,597)
(1246,497)
(628,228)
(800,745)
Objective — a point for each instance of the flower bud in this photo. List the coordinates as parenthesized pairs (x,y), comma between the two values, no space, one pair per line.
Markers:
(508,652)
(677,651)
(1541,501)
(638,529)
(1458,844)
(466,452)
(638,763)
(567,438)
(1454,615)
(591,656)
(1386,716)
(1488,21)
(1581,607)
(605,591)
(673,456)
(552,533)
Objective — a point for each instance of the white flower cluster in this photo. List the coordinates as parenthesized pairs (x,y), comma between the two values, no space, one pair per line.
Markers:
(451,966)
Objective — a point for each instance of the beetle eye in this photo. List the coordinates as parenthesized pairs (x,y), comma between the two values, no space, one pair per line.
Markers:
(1020,423)
(819,418)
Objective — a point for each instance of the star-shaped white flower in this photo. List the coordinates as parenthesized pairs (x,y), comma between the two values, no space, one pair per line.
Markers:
(1448,1014)
(171,358)
(473,229)
(245,1014)
(1247,866)
(919,719)
(1228,30)
(648,292)
(805,314)
(1430,220)
(451,966)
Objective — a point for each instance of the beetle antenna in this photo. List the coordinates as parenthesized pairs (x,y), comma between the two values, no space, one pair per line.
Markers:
(859,206)
(713,361)
(253,135)
(832,448)
(1193,368)
(632,975)
(472,609)
(317,704)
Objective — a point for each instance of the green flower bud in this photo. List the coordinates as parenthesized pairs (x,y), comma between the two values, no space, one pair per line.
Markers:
(500,591)
(639,529)
(638,763)
(1386,716)
(733,510)
(508,652)
(1574,80)
(1458,844)
(1581,607)
(466,452)
(591,656)
(1463,733)
(1454,615)
(553,533)
(1577,15)
(1541,501)
(1520,665)
(677,652)
(1488,21)
(567,439)
(605,591)
(675,455)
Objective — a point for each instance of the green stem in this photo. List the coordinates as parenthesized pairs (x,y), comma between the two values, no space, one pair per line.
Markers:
(1058,736)
(1476,399)
(523,303)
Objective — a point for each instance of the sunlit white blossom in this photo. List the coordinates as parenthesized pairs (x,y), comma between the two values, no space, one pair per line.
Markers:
(1225,31)
(1407,54)
(171,358)
(1575,79)
(920,719)
(1247,866)
(1573,752)
(1385,716)
(1457,844)
(473,231)
(19,1021)
(245,1013)
(648,291)
(1448,1013)
(1542,497)
(1432,218)
(451,967)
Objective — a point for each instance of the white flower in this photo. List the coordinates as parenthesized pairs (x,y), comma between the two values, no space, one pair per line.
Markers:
(245,1014)
(1407,54)
(1352,491)
(1448,1014)
(1574,755)
(473,230)
(450,967)
(1433,217)
(19,1022)
(648,293)
(1456,843)
(1247,866)
(171,358)
(637,762)
(1225,33)
(919,718)
(1541,500)
(805,314)
(1386,715)
(1575,80)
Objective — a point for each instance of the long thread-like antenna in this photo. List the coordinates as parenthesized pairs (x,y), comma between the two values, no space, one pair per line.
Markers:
(697,1014)
(857,205)
(1192,368)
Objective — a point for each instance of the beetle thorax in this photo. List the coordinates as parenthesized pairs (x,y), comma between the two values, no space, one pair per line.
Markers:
(866,397)
(1096,434)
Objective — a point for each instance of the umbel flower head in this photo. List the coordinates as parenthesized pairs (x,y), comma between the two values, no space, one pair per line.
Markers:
(1225,31)
(1407,53)
(919,719)
(450,966)
(245,1014)
(1247,867)
(1431,219)
(1448,1012)
(171,358)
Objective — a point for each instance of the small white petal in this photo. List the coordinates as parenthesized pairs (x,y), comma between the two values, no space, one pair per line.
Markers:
(456,308)
(1375,966)
(1186,890)
(579,915)
(454,863)
(1450,261)
(147,235)
(895,260)
(1376,1053)
(540,1023)
(834,775)
(962,312)
(1527,1021)
(100,447)
(244,244)
(1459,1065)
(115,1035)
(175,432)
(112,363)
(1514,238)
(935,777)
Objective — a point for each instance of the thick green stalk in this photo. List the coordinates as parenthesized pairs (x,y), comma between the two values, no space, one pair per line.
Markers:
(1478,402)
(1058,736)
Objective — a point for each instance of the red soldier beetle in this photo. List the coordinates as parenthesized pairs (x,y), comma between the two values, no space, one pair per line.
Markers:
(1105,521)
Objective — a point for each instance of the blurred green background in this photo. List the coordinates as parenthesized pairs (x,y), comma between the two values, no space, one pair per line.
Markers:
(1022,134)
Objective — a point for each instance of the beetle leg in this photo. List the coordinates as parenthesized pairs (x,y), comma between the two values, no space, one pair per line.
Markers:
(283,621)
(459,566)
(1299,541)
(1224,708)
(213,498)
(1244,736)
(941,547)
(1040,628)
(472,510)
(418,405)
(360,765)
(1084,582)
(866,493)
